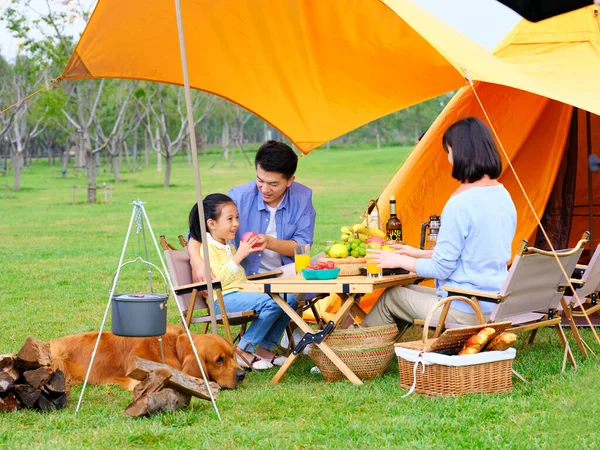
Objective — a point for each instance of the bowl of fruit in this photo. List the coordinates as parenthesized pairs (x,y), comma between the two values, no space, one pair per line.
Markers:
(321,271)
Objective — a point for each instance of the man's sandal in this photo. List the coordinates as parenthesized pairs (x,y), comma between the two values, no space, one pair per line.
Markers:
(257,363)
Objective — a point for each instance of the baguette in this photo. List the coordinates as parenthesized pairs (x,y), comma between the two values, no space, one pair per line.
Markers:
(501,342)
(476,342)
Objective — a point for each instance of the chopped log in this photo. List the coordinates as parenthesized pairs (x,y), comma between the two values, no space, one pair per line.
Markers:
(34,354)
(38,377)
(9,403)
(6,382)
(6,361)
(156,402)
(57,383)
(44,404)
(154,382)
(27,395)
(178,381)
(13,373)
(60,402)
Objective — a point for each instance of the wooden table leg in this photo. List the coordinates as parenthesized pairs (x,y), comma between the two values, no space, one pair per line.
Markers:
(323,346)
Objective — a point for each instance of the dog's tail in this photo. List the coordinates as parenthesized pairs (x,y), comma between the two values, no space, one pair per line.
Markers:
(61,360)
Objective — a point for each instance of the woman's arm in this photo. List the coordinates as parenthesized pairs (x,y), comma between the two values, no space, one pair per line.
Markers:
(412,251)
(392,260)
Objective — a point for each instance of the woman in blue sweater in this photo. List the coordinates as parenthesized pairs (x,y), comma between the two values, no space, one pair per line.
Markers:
(474,241)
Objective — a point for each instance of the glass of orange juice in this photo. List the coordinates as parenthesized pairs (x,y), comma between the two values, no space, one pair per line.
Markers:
(301,257)
(372,270)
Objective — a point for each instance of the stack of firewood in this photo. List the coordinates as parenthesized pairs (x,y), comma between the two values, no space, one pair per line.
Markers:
(28,381)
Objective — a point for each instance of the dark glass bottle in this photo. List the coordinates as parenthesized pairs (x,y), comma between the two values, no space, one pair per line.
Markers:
(393,227)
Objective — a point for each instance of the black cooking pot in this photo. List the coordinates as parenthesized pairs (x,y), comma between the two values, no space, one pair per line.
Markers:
(139,315)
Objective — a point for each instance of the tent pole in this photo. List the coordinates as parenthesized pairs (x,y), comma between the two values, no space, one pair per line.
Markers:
(588,124)
(194,149)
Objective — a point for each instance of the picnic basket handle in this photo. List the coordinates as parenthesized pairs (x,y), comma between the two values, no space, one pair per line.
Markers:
(441,303)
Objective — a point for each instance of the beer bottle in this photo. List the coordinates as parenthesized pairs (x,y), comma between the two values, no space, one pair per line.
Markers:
(393,227)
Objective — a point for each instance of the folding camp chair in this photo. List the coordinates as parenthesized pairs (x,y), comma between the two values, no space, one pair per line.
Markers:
(192,302)
(531,294)
(586,281)
(190,298)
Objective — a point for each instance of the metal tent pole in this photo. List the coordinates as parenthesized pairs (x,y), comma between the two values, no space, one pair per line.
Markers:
(194,149)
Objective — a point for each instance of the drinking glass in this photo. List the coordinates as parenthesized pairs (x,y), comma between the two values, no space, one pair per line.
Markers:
(372,270)
(301,257)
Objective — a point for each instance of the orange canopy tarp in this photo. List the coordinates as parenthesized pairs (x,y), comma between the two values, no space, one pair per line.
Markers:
(314,69)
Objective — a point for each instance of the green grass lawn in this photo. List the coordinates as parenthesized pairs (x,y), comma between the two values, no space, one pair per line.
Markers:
(57,260)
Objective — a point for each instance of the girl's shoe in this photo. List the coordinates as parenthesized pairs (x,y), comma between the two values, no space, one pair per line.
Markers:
(276,360)
(257,363)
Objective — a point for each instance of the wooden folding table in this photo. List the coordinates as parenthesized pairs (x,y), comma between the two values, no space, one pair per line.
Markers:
(350,289)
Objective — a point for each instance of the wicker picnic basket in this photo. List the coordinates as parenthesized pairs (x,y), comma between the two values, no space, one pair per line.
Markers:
(487,372)
(348,266)
(366,351)
(349,337)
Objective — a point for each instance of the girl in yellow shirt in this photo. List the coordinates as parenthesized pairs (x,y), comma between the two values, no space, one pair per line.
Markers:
(256,345)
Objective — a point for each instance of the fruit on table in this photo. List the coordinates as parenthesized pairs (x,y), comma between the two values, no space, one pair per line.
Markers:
(250,235)
(339,251)
(322,266)
(361,228)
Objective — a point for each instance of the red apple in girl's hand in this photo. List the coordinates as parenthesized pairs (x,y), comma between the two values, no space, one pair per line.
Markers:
(250,235)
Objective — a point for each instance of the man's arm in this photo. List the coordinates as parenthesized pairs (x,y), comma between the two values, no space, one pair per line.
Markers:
(280,246)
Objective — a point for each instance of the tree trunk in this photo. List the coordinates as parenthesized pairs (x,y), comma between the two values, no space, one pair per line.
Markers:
(91,168)
(168,160)
(225,139)
(116,169)
(65,162)
(377,137)
(146,151)
(158,162)
(17,163)
(135,152)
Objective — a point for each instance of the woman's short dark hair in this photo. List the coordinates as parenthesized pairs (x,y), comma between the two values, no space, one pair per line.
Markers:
(474,151)
(213,205)
(274,156)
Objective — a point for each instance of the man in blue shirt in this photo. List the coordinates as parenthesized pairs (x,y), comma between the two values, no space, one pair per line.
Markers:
(276,207)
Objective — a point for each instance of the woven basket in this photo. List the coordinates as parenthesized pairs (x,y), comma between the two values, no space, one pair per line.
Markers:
(441,380)
(366,361)
(384,334)
(348,266)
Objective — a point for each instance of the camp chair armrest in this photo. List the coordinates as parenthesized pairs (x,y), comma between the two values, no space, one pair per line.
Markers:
(187,288)
(577,283)
(481,296)
(265,275)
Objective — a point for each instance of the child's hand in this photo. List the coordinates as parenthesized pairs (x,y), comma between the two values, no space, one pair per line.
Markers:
(245,247)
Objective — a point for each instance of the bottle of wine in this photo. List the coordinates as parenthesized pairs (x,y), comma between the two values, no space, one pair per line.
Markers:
(393,227)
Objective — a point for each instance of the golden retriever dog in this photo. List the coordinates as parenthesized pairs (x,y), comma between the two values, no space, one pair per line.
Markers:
(115,357)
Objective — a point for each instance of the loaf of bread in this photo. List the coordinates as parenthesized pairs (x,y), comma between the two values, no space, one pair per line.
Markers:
(476,342)
(501,342)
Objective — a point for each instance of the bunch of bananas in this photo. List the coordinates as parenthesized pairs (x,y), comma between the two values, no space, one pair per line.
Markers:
(361,232)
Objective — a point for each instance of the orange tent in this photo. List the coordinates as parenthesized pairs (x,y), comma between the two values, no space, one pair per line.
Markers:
(314,69)
(546,140)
